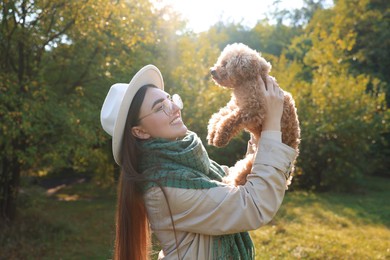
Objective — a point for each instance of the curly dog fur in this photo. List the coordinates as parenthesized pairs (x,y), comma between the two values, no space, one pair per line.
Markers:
(238,68)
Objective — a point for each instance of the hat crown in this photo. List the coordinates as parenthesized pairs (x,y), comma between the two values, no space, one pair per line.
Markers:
(110,109)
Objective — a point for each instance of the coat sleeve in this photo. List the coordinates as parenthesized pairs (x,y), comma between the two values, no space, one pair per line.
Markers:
(226,209)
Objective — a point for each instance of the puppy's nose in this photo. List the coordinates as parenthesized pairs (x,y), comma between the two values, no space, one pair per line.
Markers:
(213,72)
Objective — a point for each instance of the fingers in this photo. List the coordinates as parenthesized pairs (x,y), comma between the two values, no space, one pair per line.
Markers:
(270,85)
(281,93)
(262,85)
(278,90)
(272,89)
(252,140)
(252,145)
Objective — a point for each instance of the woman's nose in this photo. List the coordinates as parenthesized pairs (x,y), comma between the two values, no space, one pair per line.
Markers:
(174,107)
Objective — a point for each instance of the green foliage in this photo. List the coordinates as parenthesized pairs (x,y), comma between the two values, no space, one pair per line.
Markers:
(370,54)
(272,39)
(58,59)
(340,122)
(263,37)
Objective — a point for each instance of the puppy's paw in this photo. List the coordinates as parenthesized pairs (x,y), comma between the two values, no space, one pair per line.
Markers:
(210,137)
(220,139)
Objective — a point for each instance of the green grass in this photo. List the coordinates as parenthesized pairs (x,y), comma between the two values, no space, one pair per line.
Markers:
(308,225)
(77,223)
(329,226)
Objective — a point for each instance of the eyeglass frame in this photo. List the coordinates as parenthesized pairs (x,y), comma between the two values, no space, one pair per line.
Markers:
(174,100)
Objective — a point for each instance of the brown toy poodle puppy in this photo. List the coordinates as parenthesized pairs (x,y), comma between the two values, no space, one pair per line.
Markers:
(238,68)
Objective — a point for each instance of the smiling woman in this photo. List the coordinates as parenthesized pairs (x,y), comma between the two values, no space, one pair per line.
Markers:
(169,184)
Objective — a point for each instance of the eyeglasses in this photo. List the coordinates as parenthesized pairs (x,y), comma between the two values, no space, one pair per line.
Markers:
(167,106)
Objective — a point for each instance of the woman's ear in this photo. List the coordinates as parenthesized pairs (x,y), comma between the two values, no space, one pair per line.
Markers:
(139,132)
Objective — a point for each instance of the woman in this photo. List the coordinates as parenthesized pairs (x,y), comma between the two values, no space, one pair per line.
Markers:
(168,181)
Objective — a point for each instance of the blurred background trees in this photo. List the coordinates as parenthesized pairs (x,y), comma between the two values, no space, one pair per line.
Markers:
(59,58)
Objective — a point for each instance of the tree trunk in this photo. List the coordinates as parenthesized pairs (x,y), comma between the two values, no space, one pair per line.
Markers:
(9,188)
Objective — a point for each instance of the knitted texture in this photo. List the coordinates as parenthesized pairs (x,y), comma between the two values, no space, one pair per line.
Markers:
(185,164)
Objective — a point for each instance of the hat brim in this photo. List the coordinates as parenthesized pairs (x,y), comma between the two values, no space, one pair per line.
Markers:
(149,74)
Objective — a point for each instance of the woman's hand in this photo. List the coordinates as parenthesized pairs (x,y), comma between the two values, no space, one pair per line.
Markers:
(252,145)
(274,98)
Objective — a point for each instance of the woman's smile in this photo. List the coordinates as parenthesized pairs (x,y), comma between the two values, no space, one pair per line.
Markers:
(176,120)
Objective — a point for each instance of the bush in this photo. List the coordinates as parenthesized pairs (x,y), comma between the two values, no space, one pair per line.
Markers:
(339,122)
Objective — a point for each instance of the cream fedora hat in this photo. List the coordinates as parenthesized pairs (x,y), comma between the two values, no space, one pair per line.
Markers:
(117,103)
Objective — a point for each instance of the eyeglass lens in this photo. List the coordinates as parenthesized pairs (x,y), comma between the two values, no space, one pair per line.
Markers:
(168,104)
(177,100)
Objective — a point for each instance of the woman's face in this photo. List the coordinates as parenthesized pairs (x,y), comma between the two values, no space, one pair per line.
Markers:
(154,122)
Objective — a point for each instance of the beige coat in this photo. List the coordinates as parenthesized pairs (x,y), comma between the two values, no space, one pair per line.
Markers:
(199,215)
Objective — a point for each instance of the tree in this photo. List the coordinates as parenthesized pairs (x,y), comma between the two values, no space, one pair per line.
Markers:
(340,120)
(368,21)
(58,59)
(26,31)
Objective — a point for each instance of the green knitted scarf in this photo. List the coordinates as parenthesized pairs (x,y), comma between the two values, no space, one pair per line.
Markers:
(185,164)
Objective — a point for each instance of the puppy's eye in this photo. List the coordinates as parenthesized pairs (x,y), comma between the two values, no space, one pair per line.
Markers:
(224,64)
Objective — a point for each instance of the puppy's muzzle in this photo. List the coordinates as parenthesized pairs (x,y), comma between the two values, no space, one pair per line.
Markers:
(214,73)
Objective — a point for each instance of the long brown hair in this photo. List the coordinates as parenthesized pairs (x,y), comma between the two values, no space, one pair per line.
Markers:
(133,239)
